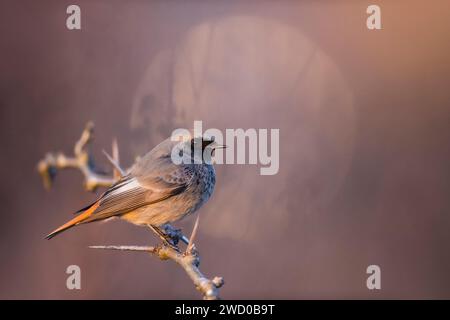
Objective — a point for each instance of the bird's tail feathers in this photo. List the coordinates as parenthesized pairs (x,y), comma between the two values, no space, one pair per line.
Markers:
(75,221)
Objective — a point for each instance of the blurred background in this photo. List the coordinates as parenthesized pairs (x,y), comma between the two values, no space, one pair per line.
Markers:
(364,153)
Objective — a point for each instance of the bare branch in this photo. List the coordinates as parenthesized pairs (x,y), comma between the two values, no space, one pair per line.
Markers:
(82,160)
(188,261)
(126,248)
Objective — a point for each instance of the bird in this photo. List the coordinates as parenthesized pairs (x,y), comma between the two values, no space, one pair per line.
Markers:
(157,190)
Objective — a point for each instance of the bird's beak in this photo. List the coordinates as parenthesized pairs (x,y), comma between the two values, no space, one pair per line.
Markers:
(218,146)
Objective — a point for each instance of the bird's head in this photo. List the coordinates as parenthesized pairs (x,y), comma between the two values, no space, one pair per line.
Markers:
(203,148)
(204,143)
(199,149)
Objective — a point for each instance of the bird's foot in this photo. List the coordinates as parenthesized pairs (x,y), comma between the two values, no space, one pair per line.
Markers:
(168,238)
(175,234)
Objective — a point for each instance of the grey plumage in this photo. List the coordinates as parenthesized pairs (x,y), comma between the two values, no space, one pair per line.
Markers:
(156,190)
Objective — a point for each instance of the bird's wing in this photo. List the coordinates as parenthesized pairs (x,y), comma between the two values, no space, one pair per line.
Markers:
(161,173)
(140,188)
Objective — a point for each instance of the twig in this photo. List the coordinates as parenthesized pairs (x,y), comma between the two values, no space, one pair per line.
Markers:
(82,160)
(118,172)
(189,262)
(190,245)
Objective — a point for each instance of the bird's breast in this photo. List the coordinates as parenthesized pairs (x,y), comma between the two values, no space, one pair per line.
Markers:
(202,186)
(174,208)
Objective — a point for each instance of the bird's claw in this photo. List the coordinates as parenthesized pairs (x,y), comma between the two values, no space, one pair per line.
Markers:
(169,235)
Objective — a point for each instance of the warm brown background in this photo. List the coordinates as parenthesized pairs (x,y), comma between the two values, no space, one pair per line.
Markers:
(364,118)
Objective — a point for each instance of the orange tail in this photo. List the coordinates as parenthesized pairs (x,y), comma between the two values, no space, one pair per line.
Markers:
(77,220)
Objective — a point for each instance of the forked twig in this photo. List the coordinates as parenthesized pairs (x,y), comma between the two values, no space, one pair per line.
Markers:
(82,160)
(189,262)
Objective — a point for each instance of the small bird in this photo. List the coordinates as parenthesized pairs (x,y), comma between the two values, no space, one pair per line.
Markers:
(157,191)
